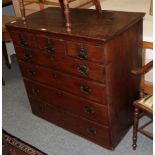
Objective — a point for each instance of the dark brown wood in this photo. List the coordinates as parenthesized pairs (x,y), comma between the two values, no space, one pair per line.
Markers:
(143,70)
(66,15)
(98,5)
(148,87)
(86,52)
(3,82)
(118,73)
(6,2)
(22,10)
(93,99)
(95,32)
(56,60)
(65,7)
(23,39)
(147,45)
(78,86)
(142,107)
(135,128)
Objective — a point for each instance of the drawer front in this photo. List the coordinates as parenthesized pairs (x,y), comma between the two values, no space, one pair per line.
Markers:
(85,52)
(73,104)
(77,86)
(83,127)
(59,62)
(51,45)
(23,39)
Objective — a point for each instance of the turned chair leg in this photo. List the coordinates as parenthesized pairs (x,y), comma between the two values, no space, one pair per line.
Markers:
(65,7)
(41,4)
(5,54)
(98,6)
(135,128)
(62,5)
(22,10)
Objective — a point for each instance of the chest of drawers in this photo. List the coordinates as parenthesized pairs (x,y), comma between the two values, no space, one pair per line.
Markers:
(81,80)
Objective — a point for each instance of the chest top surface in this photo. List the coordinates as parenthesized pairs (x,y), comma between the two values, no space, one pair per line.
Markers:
(86,23)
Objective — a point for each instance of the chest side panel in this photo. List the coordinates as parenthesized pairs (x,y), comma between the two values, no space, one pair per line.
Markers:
(123,54)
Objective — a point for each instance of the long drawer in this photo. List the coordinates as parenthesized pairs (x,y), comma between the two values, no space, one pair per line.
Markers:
(78,86)
(72,103)
(83,127)
(59,61)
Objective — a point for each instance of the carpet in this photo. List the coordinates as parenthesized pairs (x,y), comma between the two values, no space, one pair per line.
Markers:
(13,145)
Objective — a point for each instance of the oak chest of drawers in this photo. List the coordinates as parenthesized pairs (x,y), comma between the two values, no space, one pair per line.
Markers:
(81,80)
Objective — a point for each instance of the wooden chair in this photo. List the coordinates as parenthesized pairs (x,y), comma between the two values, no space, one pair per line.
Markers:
(143,106)
(65,8)
(146,86)
(6,38)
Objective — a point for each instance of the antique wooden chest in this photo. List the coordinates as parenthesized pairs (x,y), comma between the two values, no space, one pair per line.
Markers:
(81,80)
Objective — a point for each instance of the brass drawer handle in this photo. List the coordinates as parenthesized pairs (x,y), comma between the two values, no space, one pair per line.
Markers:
(82,54)
(22,40)
(91,131)
(85,89)
(31,72)
(49,47)
(88,110)
(27,55)
(83,69)
(35,91)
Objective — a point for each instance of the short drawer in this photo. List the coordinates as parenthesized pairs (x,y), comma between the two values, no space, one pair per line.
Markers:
(91,90)
(80,126)
(49,44)
(23,39)
(85,52)
(72,103)
(59,62)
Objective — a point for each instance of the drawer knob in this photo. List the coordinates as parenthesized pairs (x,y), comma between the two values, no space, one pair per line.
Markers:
(91,131)
(22,40)
(31,72)
(27,55)
(35,91)
(83,69)
(82,54)
(49,47)
(88,110)
(85,89)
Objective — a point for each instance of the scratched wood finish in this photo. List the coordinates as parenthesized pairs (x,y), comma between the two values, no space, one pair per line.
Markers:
(93,100)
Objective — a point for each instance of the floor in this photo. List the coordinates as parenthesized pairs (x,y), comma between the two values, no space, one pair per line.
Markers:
(19,121)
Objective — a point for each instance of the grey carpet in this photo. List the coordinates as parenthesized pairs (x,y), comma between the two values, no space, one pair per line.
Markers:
(19,121)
